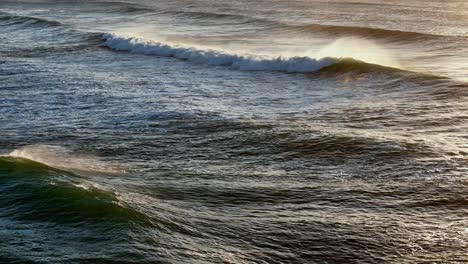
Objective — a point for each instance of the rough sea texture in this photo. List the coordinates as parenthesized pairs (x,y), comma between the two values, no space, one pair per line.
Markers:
(233,131)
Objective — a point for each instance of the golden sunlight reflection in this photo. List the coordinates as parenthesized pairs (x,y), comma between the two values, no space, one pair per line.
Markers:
(359,49)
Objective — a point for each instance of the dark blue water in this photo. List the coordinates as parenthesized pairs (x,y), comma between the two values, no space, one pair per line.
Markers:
(233,132)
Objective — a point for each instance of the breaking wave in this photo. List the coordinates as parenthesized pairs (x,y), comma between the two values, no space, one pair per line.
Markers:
(374,57)
(245,62)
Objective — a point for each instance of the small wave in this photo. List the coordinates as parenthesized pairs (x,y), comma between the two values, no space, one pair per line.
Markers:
(247,62)
(236,18)
(63,158)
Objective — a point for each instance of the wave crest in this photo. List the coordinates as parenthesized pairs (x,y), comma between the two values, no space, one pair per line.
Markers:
(63,158)
(246,62)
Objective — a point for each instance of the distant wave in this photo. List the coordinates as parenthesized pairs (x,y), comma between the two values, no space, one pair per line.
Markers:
(328,30)
(214,16)
(121,7)
(245,62)
(7,19)
(49,37)
(375,33)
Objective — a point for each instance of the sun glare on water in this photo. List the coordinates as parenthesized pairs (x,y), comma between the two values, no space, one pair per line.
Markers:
(359,49)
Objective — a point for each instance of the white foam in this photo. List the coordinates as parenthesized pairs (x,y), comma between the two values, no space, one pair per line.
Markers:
(244,62)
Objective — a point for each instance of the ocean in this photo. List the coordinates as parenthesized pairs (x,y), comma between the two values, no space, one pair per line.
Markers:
(202,131)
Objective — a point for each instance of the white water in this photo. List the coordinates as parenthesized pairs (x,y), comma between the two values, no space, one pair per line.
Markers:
(243,62)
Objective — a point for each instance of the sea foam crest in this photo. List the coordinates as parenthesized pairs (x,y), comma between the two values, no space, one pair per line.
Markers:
(246,62)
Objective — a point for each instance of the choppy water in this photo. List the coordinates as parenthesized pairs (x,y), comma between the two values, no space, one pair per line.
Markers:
(233,132)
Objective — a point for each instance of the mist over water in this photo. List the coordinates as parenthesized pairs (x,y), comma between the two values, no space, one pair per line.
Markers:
(235,132)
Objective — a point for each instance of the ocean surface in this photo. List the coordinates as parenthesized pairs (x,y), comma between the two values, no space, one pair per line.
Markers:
(203,131)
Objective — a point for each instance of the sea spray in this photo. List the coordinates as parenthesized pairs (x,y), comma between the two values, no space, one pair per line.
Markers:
(63,158)
(359,49)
